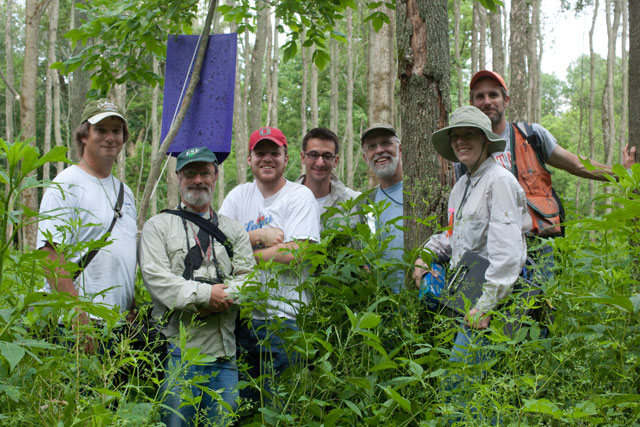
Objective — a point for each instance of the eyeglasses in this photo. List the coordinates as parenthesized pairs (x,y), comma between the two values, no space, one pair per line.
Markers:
(314,155)
(192,173)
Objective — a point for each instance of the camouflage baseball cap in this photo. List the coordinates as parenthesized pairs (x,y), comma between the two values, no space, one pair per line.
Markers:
(99,109)
(198,154)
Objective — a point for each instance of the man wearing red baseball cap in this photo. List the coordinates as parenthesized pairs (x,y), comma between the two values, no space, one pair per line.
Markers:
(534,147)
(278,215)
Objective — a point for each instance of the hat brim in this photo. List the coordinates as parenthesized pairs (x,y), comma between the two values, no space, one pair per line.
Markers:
(442,143)
(278,142)
(101,116)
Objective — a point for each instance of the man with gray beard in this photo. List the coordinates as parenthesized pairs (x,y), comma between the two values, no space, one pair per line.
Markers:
(194,262)
(382,151)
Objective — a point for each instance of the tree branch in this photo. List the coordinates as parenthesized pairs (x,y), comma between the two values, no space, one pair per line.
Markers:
(11,88)
(182,112)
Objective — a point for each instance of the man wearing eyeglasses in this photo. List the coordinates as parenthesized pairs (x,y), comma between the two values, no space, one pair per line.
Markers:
(319,155)
(381,150)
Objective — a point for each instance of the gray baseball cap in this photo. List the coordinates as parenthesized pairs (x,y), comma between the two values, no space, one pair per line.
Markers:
(377,127)
(467,116)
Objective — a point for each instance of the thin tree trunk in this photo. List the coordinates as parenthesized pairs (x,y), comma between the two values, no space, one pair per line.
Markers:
(497,46)
(456,47)
(173,195)
(304,52)
(533,94)
(155,129)
(275,61)
(634,76)
(28,95)
(257,66)
(267,69)
(482,38)
(80,81)
(333,76)
(475,19)
(580,128)
(592,95)
(424,108)
(608,114)
(624,114)
(52,75)
(156,165)
(348,140)
(313,89)
(519,20)
(241,127)
(9,95)
(120,91)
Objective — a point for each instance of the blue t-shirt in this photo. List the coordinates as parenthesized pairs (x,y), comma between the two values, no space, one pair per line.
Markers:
(395,249)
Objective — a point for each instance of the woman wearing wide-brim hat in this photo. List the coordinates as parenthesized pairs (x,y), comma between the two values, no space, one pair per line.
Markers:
(488,216)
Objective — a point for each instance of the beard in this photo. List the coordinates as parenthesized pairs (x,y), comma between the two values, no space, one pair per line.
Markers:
(199,196)
(388,170)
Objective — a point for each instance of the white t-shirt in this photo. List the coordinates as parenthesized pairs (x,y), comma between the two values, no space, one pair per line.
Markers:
(86,200)
(294,210)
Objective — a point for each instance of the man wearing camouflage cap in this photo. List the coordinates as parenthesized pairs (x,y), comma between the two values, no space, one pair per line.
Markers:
(82,207)
(193,261)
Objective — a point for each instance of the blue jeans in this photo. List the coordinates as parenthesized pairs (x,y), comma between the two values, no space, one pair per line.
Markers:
(468,349)
(220,376)
(264,349)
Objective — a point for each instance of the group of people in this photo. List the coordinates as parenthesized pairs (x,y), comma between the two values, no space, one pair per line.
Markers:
(195,261)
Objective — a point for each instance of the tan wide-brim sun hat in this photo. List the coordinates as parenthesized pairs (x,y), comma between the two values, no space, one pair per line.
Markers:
(467,116)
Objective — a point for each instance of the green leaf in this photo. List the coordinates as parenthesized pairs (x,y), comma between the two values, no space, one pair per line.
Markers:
(388,364)
(543,406)
(353,407)
(352,317)
(404,403)
(12,352)
(369,320)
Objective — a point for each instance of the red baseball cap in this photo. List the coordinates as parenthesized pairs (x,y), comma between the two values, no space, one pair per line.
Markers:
(268,133)
(486,74)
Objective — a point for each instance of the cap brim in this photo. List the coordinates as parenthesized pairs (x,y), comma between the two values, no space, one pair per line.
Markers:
(99,117)
(278,142)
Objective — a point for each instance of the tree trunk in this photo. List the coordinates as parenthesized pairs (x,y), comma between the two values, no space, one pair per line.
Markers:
(456,47)
(592,95)
(423,48)
(155,130)
(257,66)
(475,22)
(519,20)
(534,64)
(120,91)
(51,76)
(634,77)
(28,95)
(624,65)
(80,81)
(304,53)
(267,69)
(348,140)
(313,89)
(333,74)
(497,47)
(241,125)
(608,113)
(482,38)
(9,95)
(173,195)
(275,61)
(382,73)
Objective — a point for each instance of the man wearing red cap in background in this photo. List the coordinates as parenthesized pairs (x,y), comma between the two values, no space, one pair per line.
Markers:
(278,215)
(489,93)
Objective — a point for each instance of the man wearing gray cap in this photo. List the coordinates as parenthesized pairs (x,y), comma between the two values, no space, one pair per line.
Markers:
(87,193)
(381,150)
(193,262)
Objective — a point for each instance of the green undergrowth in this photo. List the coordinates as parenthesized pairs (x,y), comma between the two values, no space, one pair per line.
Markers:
(366,356)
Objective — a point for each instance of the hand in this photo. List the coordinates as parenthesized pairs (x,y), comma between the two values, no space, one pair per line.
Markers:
(419,271)
(477,320)
(220,301)
(271,236)
(628,156)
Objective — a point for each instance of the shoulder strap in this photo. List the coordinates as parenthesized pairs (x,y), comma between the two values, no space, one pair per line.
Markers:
(117,213)
(211,227)
(526,130)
